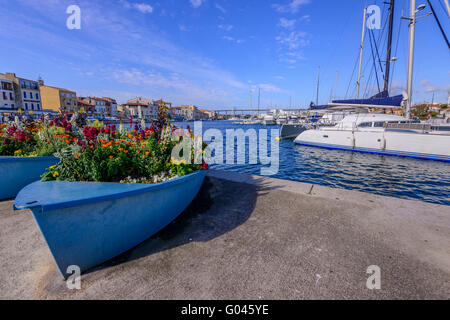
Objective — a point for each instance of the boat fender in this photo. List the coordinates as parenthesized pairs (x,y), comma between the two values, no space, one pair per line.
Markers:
(383,143)
(353,141)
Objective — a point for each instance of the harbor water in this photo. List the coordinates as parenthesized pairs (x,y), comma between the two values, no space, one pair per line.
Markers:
(405,178)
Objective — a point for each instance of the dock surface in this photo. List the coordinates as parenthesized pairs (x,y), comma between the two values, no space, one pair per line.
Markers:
(248,237)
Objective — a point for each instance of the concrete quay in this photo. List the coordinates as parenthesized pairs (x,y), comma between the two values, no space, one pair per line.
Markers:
(248,237)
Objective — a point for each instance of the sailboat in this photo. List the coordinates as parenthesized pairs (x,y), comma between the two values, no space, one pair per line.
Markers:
(382,133)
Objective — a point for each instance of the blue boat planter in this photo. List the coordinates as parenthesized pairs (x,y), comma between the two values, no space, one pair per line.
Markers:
(18,172)
(88,223)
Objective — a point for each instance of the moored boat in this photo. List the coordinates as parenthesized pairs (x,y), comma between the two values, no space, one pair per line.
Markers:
(17,172)
(87,223)
(381,134)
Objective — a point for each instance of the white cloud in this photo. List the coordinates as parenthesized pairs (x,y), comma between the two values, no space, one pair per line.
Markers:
(286,23)
(279,77)
(291,7)
(306,18)
(220,8)
(270,88)
(429,87)
(294,40)
(231,39)
(196,3)
(142,7)
(225,27)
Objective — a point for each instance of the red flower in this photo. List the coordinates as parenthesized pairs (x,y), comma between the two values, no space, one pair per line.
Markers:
(205,166)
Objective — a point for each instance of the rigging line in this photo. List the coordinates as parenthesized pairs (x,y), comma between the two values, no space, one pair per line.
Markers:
(439,24)
(351,78)
(378,54)
(374,61)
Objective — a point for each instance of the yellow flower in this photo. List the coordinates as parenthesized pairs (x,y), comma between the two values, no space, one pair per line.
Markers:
(55,174)
(18,151)
(52,167)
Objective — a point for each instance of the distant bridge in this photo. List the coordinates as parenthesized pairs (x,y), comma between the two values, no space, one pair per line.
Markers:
(235,111)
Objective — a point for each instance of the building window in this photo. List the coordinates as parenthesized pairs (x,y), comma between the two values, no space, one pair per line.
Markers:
(32,106)
(38,106)
(11,96)
(4,96)
(24,94)
(26,106)
(37,96)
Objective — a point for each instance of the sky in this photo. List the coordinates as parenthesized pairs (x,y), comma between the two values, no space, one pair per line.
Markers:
(216,54)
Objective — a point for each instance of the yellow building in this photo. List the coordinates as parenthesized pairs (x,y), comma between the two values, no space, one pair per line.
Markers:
(58,99)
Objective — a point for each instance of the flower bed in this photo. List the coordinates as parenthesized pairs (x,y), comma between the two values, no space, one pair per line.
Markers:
(34,138)
(104,153)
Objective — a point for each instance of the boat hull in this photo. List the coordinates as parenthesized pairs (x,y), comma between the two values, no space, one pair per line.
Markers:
(402,144)
(17,172)
(291,131)
(86,231)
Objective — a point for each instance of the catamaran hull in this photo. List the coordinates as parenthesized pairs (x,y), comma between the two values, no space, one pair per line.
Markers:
(17,172)
(291,131)
(87,230)
(403,144)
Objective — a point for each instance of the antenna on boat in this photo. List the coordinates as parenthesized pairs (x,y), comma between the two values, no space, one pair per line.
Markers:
(358,83)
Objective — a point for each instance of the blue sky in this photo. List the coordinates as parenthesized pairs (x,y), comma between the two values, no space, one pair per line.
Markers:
(211,53)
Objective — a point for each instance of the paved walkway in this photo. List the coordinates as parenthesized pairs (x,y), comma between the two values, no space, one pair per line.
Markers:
(248,237)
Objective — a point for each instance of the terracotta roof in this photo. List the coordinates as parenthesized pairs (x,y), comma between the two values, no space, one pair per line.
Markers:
(136,104)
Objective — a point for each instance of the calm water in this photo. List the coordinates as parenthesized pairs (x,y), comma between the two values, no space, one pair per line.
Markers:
(384,175)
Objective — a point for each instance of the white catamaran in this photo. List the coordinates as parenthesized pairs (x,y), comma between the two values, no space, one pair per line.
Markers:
(382,133)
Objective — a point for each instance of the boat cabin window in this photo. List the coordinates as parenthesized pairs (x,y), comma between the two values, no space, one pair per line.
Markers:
(365,125)
(379,124)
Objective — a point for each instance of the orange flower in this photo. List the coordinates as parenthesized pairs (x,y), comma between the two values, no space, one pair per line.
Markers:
(142,146)
(120,149)
(111,157)
(125,151)
(147,153)
(77,156)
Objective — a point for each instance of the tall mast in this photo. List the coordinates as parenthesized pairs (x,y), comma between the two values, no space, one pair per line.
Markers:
(412,33)
(259,99)
(389,46)
(358,83)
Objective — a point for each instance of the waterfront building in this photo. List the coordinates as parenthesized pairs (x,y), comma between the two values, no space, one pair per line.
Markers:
(88,108)
(142,108)
(186,112)
(58,99)
(111,107)
(27,95)
(7,96)
(207,114)
(162,102)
